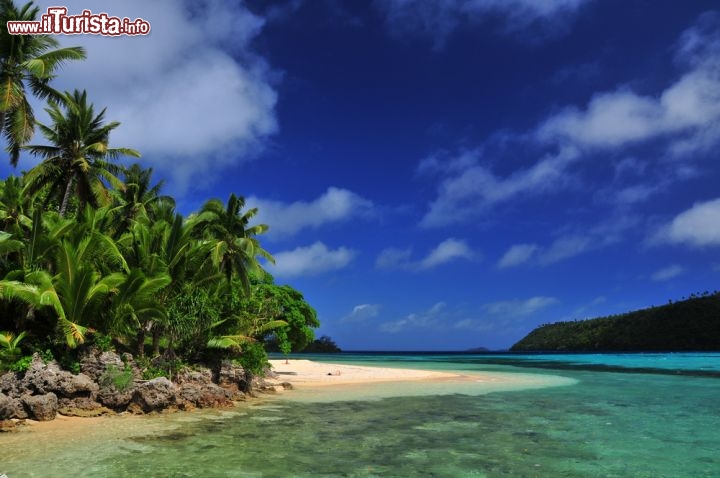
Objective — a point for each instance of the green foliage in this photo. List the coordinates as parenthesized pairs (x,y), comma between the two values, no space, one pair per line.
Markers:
(22,364)
(120,379)
(253,359)
(322,345)
(103,342)
(692,324)
(159,367)
(10,350)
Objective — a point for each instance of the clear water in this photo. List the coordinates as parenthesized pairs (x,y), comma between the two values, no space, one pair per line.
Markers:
(616,416)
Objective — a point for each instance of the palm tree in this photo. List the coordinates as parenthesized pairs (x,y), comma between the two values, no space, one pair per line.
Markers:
(236,248)
(14,206)
(78,156)
(26,61)
(135,306)
(138,198)
(79,291)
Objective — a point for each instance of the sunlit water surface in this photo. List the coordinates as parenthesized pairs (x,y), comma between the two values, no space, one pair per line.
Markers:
(646,415)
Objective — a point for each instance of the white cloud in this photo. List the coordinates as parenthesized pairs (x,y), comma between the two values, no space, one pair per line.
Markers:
(285,219)
(427,319)
(520,308)
(362,312)
(566,247)
(449,250)
(439,18)
(698,226)
(687,113)
(473,187)
(393,258)
(310,260)
(192,96)
(569,245)
(516,255)
(668,273)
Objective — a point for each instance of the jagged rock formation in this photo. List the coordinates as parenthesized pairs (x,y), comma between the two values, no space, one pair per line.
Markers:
(45,390)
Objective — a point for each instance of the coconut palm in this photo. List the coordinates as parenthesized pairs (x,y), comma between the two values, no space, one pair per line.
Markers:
(138,197)
(236,247)
(15,206)
(78,158)
(26,61)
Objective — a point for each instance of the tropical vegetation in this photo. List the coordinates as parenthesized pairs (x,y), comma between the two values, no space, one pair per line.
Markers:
(692,324)
(91,252)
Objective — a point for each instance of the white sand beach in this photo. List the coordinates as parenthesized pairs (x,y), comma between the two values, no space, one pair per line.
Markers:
(309,373)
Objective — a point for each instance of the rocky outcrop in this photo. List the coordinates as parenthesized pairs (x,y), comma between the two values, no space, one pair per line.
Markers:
(114,399)
(197,390)
(153,396)
(234,379)
(41,407)
(11,407)
(9,383)
(112,383)
(95,363)
(81,407)
(42,378)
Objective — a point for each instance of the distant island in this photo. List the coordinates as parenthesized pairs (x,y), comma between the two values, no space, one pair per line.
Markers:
(690,324)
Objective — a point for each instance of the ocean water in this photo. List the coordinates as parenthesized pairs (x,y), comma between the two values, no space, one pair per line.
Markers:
(639,415)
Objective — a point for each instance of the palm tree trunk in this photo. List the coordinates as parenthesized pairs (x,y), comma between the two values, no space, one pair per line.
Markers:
(66,197)
(156,342)
(141,342)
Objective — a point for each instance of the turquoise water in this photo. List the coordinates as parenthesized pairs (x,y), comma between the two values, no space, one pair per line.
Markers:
(607,416)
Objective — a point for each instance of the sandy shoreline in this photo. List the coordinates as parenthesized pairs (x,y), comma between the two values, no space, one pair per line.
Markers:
(307,373)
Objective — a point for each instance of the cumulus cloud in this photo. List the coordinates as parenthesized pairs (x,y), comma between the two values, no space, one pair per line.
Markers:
(668,273)
(467,188)
(192,96)
(447,251)
(687,112)
(333,206)
(698,226)
(520,307)
(437,19)
(311,260)
(362,312)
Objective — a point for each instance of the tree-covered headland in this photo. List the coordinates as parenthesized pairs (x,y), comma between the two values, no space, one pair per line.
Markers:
(692,324)
(92,252)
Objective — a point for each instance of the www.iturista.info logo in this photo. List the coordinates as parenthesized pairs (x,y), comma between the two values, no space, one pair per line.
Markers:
(57,22)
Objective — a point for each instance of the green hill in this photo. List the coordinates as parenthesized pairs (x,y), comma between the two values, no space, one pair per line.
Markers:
(691,324)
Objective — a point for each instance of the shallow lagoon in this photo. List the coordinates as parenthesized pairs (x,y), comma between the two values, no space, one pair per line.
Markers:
(616,421)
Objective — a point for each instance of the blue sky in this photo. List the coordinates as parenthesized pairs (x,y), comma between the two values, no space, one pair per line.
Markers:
(437,174)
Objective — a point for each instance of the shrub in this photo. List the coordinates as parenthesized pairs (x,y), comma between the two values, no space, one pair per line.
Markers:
(253,358)
(120,379)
